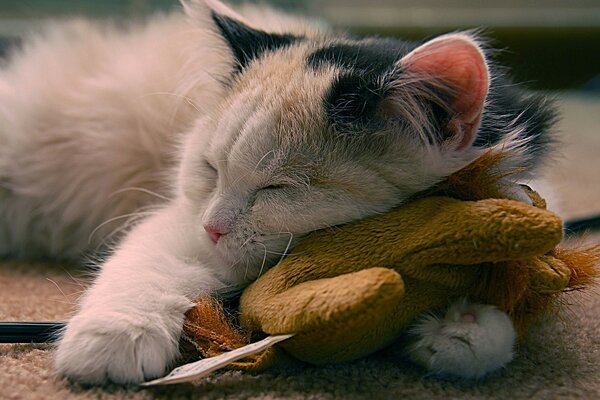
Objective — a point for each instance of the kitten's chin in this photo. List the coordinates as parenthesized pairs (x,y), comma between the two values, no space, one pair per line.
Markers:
(242,267)
(243,261)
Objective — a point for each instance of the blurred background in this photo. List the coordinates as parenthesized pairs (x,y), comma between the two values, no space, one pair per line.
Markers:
(549,44)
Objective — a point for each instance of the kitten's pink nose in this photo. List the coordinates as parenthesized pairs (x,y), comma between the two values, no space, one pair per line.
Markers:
(214,232)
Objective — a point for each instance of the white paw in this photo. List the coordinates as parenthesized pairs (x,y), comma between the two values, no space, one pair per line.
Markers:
(113,347)
(471,341)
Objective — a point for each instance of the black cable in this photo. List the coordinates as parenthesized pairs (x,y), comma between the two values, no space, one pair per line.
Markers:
(582,225)
(29,332)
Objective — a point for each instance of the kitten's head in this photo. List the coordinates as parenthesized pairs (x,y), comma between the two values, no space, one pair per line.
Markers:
(319,130)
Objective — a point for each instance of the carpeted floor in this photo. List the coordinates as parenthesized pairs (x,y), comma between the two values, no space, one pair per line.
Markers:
(559,359)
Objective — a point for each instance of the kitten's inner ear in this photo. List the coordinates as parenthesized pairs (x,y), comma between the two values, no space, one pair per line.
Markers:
(456,60)
(247,43)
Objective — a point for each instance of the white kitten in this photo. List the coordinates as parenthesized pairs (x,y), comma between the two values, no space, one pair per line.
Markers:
(249,138)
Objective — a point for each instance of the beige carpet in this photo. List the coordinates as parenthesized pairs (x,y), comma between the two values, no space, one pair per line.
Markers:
(560,358)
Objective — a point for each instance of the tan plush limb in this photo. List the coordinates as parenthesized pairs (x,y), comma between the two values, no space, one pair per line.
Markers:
(423,233)
(328,315)
(548,274)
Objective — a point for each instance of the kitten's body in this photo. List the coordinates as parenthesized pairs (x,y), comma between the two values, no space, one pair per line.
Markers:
(89,112)
(247,141)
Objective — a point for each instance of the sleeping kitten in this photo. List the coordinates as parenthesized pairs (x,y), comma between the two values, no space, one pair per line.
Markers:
(239,135)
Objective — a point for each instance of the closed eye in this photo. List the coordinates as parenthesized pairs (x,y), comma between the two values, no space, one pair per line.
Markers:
(210,167)
(273,187)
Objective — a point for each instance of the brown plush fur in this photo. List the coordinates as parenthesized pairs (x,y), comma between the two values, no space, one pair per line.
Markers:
(518,295)
(477,181)
(210,330)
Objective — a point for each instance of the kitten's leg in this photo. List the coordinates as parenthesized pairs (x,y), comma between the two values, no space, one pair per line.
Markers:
(130,320)
(471,341)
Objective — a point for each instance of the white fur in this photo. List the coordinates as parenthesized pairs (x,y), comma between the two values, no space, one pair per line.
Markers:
(470,341)
(130,320)
(96,122)
(90,120)
(79,122)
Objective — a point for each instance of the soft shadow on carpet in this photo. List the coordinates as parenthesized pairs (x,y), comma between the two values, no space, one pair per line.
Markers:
(559,359)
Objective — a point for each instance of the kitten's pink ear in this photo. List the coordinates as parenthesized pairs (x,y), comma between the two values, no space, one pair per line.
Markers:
(457,60)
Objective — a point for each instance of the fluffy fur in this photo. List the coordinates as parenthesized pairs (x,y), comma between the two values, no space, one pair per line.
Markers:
(469,341)
(261,128)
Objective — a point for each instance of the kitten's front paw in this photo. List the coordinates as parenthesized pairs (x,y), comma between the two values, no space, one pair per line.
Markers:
(471,341)
(118,348)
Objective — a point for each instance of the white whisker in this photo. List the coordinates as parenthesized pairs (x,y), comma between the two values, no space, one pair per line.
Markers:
(246,270)
(138,189)
(280,253)
(264,261)
(286,247)
(186,98)
(118,230)
(247,240)
(78,282)
(262,158)
(58,287)
(108,221)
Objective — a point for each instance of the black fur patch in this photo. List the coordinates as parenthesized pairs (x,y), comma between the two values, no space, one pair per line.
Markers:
(351,104)
(248,44)
(352,101)
(370,57)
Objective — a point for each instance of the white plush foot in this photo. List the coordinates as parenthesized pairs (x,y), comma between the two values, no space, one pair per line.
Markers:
(116,348)
(471,341)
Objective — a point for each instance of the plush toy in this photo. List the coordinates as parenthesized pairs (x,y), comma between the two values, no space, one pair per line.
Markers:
(349,291)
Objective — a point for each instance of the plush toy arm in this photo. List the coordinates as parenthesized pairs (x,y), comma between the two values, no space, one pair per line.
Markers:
(548,274)
(416,238)
(333,318)
(472,233)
